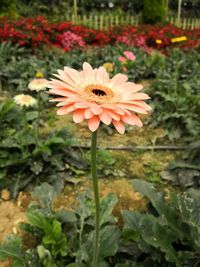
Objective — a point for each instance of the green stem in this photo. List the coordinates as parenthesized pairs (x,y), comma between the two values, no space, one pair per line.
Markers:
(96,197)
(26,133)
(38,121)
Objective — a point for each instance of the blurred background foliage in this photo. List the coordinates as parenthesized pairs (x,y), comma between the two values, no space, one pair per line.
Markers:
(58,9)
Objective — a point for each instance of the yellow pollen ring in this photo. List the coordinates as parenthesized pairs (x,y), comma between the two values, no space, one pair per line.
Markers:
(98,93)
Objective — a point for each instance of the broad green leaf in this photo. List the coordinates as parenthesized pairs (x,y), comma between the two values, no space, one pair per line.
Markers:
(66,216)
(37,219)
(52,233)
(45,193)
(107,205)
(31,115)
(109,238)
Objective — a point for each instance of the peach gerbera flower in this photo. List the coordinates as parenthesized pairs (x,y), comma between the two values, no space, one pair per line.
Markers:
(91,95)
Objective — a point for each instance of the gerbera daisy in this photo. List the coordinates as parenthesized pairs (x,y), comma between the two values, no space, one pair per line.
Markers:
(91,95)
(25,100)
(38,84)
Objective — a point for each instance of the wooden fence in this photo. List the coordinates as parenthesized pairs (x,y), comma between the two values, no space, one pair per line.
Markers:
(185,23)
(104,22)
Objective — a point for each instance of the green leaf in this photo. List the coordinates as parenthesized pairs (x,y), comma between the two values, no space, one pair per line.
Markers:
(12,248)
(45,193)
(53,233)
(60,247)
(189,206)
(3,173)
(109,238)
(66,216)
(54,140)
(37,219)
(31,115)
(37,167)
(107,205)
(147,189)
(152,232)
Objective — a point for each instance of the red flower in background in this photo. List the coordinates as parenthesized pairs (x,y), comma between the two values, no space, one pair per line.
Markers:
(36,32)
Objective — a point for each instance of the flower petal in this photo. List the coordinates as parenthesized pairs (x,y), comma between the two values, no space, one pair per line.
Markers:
(119,126)
(129,87)
(105,118)
(58,99)
(96,109)
(136,96)
(102,76)
(139,103)
(66,78)
(82,105)
(132,119)
(88,72)
(132,107)
(57,84)
(62,92)
(119,79)
(65,110)
(88,114)
(93,123)
(73,74)
(78,115)
(68,101)
(112,114)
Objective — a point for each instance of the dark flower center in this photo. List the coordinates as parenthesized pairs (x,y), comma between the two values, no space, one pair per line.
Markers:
(98,92)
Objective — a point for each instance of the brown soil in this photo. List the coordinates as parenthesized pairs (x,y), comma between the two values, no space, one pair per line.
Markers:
(12,213)
(127,197)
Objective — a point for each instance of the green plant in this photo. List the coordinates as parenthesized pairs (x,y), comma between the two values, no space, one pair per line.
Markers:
(154,11)
(174,92)
(64,238)
(24,161)
(152,174)
(185,170)
(104,158)
(20,65)
(7,7)
(169,235)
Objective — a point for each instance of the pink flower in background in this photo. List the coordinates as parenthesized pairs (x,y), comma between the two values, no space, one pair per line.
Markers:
(91,95)
(129,55)
(122,59)
(70,40)
(135,40)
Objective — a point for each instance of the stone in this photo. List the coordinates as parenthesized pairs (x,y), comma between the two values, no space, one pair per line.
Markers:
(5,194)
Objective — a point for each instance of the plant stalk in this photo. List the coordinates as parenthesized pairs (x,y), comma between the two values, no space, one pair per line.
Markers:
(96,197)
(26,133)
(38,121)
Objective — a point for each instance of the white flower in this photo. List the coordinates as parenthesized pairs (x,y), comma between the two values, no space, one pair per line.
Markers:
(38,84)
(25,100)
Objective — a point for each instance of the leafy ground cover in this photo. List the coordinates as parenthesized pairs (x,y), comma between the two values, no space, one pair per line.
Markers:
(64,237)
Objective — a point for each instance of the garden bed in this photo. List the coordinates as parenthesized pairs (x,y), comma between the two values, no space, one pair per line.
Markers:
(52,165)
